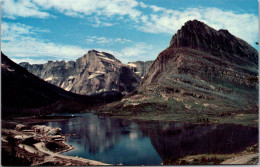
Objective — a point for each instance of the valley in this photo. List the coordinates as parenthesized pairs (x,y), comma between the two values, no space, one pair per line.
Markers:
(196,103)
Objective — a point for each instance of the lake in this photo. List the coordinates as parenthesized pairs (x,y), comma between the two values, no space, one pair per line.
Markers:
(116,141)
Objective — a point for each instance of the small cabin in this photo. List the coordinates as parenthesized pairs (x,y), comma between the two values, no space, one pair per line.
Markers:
(58,138)
(20,127)
(27,131)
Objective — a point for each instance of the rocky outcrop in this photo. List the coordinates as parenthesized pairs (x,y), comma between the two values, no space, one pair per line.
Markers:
(93,73)
(204,70)
(141,68)
(222,44)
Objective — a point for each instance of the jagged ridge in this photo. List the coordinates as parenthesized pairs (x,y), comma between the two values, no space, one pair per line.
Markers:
(197,35)
(95,72)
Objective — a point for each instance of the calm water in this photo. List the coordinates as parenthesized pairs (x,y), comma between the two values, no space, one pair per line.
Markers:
(117,141)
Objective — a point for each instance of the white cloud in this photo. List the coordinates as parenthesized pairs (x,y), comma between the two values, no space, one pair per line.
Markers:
(168,21)
(35,8)
(244,26)
(17,41)
(32,47)
(143,5)
(98,23)
(29,60)
(21,8)
(136,50)
(139,51)
(158,20)
(105,40)
(20,46)
(11,31)
(73,8)
(157,8)
(87,7)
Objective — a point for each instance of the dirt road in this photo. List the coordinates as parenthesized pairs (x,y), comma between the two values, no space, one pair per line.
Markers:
(243,159)
(41,147)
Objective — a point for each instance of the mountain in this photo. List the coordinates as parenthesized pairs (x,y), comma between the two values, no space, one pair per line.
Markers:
(93,73)
(202,70)
(141,68)
(26,94)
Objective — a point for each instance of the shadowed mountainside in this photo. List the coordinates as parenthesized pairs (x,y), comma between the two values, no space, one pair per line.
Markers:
(24,93)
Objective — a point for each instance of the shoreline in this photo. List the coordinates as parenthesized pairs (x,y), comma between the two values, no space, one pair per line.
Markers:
(39,154)
(42,148)
(250,120)
(66,150)
(248,156)
(31,120)
(144,119)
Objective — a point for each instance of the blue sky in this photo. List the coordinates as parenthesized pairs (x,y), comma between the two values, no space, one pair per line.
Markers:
(40,30)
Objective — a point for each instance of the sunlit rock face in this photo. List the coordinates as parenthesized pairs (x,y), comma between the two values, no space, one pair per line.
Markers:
(141,68)
(95,72)
(202,69)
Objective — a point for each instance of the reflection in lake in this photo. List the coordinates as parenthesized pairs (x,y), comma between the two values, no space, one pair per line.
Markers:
(173,140)
(117,141)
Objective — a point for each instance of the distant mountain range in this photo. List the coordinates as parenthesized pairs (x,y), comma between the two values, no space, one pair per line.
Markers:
(26,94)
(95,72)
(202,70)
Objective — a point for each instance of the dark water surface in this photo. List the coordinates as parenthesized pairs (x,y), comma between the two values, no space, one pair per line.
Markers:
(117,141)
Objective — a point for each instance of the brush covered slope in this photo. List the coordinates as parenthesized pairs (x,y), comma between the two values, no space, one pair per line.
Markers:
(202,71)
(26,94)
(95,72)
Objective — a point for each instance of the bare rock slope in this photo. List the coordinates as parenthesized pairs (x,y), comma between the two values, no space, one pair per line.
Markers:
(95,72)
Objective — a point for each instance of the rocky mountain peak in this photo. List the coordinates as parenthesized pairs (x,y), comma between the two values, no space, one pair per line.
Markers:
(202,69)
(24,64)
(195,24)
(101,55)
(190,34)
(197,35)
(95,72)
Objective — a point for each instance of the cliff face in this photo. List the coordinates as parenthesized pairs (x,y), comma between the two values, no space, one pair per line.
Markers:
(201,52)
(222,44)
(141,68)
(95,72)
(202,69)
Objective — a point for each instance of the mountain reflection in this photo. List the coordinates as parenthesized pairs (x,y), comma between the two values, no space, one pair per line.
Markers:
(93,133)
(177,140)
(117,141)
